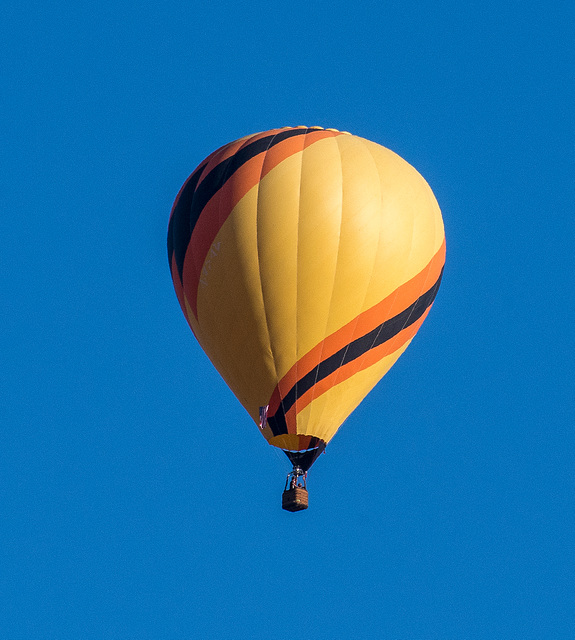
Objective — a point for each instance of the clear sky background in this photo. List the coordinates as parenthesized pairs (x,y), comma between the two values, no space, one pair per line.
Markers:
(444,507)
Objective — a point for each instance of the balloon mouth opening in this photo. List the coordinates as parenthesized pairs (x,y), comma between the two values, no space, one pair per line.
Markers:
(303,459)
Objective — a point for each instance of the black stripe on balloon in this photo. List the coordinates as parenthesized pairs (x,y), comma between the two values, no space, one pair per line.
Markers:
(179,230)
(277,422)
(355,349)
(194,198)
(222,172)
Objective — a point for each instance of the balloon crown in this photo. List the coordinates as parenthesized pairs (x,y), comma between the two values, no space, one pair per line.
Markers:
(303,126)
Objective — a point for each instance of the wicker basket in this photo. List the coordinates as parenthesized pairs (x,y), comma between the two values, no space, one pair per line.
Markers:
(295,499)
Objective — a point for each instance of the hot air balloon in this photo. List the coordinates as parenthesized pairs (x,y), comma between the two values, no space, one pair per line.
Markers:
(304,260)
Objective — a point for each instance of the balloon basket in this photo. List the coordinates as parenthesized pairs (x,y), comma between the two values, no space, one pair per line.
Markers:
(295,496)
(295,499)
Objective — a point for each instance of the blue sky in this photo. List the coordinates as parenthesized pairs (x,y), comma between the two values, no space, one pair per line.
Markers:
(121,517)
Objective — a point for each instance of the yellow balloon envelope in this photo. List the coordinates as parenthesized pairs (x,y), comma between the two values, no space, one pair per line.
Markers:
(305,260)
